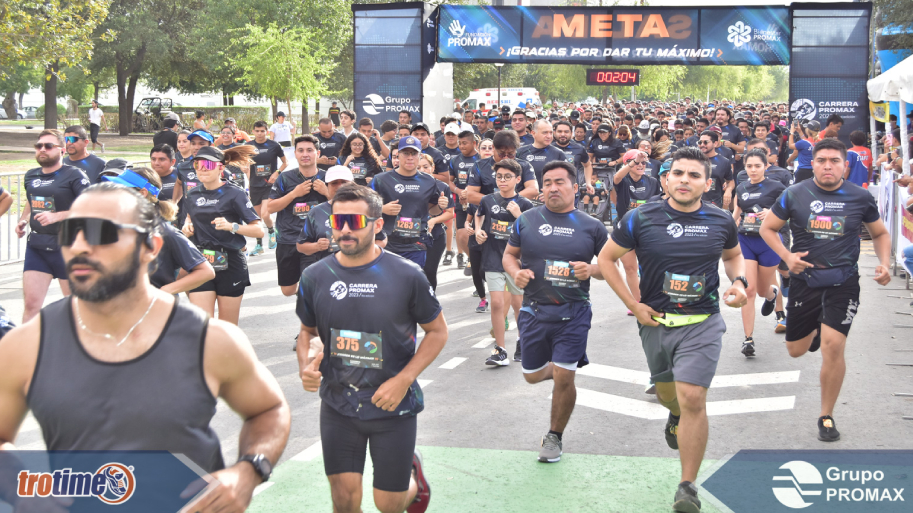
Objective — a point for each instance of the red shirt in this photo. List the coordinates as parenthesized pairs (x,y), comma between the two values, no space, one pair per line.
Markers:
(865,155)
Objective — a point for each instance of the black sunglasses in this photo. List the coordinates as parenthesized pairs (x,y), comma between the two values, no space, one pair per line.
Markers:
(97,232)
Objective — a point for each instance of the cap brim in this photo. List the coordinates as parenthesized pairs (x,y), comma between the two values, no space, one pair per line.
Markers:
(211,158)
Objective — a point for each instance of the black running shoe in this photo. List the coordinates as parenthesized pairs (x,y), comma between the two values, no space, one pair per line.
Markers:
(816,342)
(768,307)
(448,258)
(671,432)
(460,262)
(517,355)
(686,500)
(827,429)
(748,347)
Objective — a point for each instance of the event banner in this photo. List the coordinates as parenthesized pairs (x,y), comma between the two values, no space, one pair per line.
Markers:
(602,35)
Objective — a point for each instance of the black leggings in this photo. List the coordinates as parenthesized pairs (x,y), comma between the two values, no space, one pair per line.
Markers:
(433,256)
(478,277)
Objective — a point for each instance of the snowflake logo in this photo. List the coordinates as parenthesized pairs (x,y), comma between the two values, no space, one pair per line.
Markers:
(491,30)
(739,34)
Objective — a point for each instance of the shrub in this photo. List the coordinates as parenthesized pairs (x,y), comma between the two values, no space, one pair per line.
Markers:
(61,111)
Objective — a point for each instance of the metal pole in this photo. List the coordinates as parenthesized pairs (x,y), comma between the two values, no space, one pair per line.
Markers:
(904,139)
(499,90)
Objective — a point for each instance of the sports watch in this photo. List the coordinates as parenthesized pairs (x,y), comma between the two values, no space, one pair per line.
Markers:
(741,279)
(261,464)
(235,227)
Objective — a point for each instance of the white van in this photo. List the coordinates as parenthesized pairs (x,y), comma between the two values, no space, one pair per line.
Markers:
(513,97)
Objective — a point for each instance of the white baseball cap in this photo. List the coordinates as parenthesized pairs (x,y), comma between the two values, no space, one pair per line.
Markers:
(339,173)
(452,128)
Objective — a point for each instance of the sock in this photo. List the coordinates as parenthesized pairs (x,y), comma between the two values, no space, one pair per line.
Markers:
(259,242)
(685,484)
(555,433)
(674,417)
(270,229)
(780,315)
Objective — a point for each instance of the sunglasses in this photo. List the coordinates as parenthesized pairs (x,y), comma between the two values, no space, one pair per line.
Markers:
(509,154)
(355,221)
(702,143)
(70,139)
(46,146)
(97,232)
(206,164)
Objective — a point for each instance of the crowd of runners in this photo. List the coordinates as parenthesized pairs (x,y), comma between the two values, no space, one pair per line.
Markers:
(534,205)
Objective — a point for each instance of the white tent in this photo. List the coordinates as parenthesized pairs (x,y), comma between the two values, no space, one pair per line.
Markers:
(896,85)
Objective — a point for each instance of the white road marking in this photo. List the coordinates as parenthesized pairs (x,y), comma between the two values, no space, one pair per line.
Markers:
(485,342)
(733,380)
(452,363)
(262,487)
(424,382)
(653,411)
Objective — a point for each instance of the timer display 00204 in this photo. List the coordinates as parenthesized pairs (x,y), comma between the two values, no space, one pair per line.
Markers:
(613,77)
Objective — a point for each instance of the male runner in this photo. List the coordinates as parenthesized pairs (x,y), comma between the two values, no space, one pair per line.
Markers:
(721,179)
(576,154)
(333,112)
(460,167)
(409,197)
(422,133)
(681,327)
(331,143)
(88,342)
(263,174)
(293,195)
(825,216)
(161,159)
(518,123)
(364,304)
(451,146)
(50,189)
(78,154)
(482,178)
(548,255)
(346,123)
(541,151)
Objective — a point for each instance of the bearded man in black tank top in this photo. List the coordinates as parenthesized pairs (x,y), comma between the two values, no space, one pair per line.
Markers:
(119,333)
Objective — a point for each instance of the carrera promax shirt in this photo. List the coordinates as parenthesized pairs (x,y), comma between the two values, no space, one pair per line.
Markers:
(720,173)
(483,175)
(498,224)
(679,254)
(753,198)
(415,194)
(290,220)
(381,302)
(228,201)
(52,192)
(539,157)
(264,163)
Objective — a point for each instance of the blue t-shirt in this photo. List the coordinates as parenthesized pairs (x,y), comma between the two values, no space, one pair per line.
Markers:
(804,159)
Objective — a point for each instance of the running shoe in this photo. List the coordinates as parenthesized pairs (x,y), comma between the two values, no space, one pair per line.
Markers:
(258,250)
(768,307)
(551,449)
(827,429)
(102,148)
(651,388)
(483,306)
(272,240)
(475,293)
(467,271)
(748,347)
(448,258)
(498,357)
(816,342)
(517,354)
(686,500)
(781,325)
(461,263)
(671,432)
(423,495)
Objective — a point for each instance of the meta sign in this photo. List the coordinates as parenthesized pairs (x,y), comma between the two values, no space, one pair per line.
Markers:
(598,77)
(587,35)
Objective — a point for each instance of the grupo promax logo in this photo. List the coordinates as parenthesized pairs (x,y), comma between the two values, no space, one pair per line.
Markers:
(803,108)
(375,104)
(112,483)
(801,474)
(739,34)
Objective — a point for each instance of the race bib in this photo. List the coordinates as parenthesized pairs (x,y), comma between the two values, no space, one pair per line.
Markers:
(262,170)
(682,288)
(602,161)
(561,274)
(462,177)
(751,223)
(357,348)
(826,227)
(216,259)
(536,202)
(358,172)
(42,204)
(713,184)
(636,203)
(500,230)
(408,227)
(301,209)
(190,185)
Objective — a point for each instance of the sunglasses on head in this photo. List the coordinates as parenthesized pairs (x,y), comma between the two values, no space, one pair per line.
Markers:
(46,146)
(355,221)
(207,164)
(97,232)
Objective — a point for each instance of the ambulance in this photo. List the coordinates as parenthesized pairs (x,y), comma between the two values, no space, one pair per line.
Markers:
(513,97)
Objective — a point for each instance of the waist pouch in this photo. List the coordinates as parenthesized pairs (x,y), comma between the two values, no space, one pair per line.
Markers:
(360,400)
(674,320)
(556,313)
(832,277)
(43,241)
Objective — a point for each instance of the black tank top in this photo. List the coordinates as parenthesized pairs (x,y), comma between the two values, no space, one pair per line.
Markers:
(157,401)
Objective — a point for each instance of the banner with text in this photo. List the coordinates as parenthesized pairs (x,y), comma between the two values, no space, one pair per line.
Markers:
(597,35)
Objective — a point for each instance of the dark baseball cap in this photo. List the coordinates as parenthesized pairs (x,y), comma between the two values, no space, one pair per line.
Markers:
(421,126)
(210,153)
(498,123)
(604,128)
(505,108)
(575,114)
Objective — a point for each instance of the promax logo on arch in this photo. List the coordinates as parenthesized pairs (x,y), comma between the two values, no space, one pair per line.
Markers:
(375,104)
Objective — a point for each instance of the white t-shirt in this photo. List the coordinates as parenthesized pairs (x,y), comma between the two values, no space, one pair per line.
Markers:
(95,116)
(281,132)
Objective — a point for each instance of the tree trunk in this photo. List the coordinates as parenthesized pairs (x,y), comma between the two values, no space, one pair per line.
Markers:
(21,98)
(50,96)
(305,122)
(127,68)
(9,105)
(273,103)
(95,91)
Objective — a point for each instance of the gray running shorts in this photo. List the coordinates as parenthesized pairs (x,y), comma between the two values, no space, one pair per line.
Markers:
(686,353)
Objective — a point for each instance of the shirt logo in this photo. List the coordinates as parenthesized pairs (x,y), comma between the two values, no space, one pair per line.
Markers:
(462,164)
(191,176)
(817,207)
(529,158)
(85,181)
(323,145)
(497,209)
(399,188)
(744,195)
(203,202)
(675,230)
(339,290)
(545,230)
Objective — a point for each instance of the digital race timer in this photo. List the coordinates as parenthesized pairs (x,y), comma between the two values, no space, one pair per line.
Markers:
(629,77)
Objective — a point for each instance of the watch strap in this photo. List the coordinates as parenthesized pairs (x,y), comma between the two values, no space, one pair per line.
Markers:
(741,279)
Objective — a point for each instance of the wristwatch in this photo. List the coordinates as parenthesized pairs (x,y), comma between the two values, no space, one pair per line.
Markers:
(235,227)
(741,279)
(261,464)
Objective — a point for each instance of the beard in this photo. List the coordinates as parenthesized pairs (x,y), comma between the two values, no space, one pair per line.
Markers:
(108,286)
(45,160)
(563,140)
(361,246)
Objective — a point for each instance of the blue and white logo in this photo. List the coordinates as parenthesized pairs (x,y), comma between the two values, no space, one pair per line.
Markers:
(801,474)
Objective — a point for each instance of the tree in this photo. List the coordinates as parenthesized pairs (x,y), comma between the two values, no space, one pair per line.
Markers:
(18,80)
(283,64)
(897,14)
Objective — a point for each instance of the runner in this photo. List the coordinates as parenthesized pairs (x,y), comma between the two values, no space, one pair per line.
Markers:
(177,253)
(548,255)
(494,222)
(360,157)
(365,294)
(161,159)
(366,128)
(576,154)
(605,152)
(226,138)
(78,156)
(802,139)
(437,224)
(460,168)
(540,152)
(50,189)
(215,210)
(825,216)
(264,173)
(96,118)
(292,197)
(282,131)
(680,324)
(409,197)
(518,123)
(421,132)
(754,199)
(183,148)
(331,143)
(346,123)
(333,113)
(482,178)
(187,175)
(721,178)
(119,333)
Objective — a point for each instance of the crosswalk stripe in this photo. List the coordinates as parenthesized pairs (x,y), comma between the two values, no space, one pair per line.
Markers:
(653,411)
(643,377)
(452,363)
